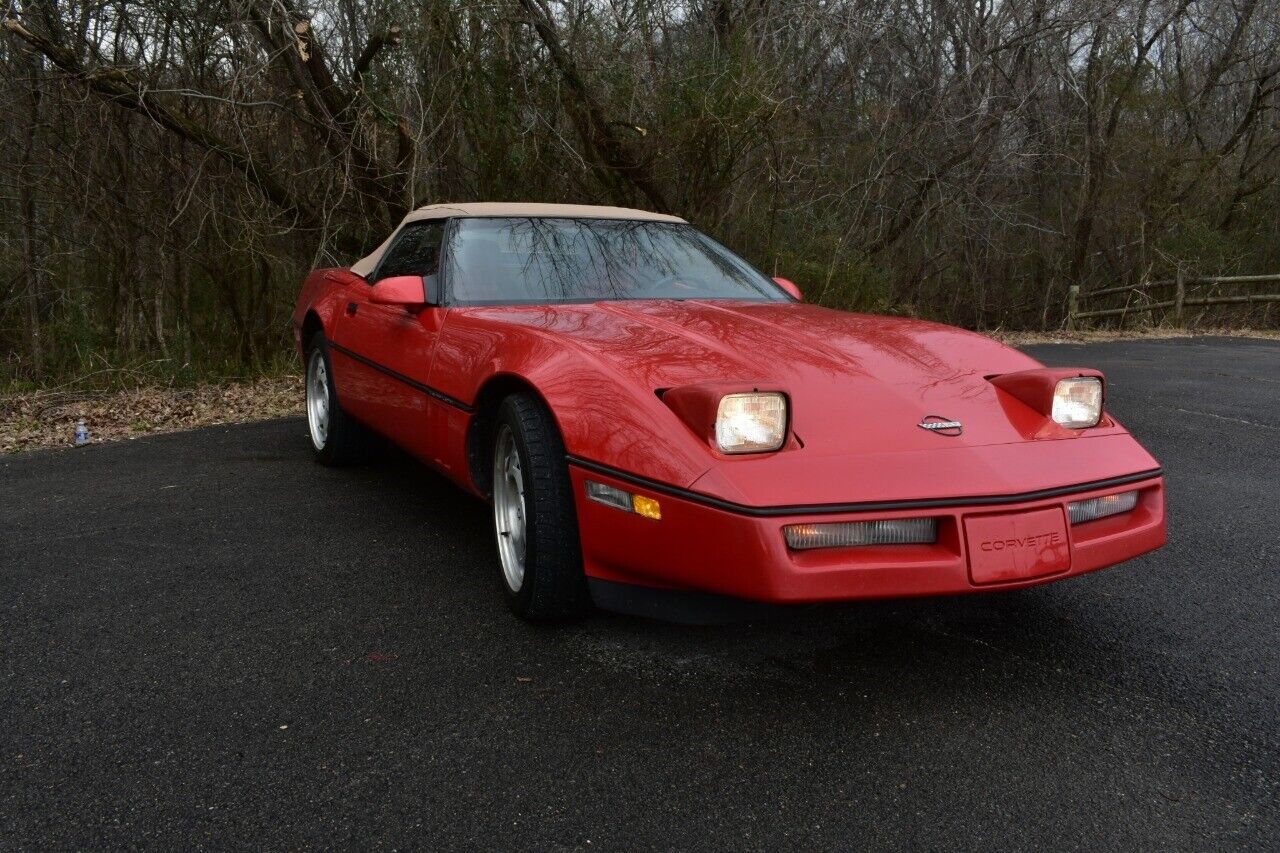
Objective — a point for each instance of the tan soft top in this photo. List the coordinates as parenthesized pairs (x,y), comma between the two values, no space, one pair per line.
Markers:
(366,265)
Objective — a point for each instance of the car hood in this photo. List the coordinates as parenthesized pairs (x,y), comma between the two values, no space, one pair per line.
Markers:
(857,383)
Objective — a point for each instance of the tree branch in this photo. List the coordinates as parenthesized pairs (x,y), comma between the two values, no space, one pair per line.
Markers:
(119,86)
(378,41)
(588,117)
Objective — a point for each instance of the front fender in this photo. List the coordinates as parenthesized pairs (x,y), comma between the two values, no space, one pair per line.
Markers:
(602,416)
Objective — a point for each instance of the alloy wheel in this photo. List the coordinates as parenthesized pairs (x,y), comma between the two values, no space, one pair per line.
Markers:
(509,511)
(318,399)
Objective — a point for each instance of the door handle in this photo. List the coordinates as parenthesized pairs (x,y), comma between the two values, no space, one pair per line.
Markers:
(351,309)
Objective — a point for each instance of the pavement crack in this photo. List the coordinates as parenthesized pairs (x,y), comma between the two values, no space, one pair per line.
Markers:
(1226,418)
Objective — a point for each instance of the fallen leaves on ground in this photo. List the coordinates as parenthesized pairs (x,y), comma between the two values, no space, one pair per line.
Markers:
(40,419)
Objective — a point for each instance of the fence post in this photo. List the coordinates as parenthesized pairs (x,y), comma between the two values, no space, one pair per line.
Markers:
(1179,296)
(1073,306)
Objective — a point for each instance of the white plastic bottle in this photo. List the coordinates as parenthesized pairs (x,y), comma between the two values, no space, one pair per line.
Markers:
(82,433)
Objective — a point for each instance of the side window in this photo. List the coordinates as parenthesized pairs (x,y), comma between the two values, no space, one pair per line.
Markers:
(415,252)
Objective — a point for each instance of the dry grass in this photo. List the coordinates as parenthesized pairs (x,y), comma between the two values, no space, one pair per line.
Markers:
(40,419)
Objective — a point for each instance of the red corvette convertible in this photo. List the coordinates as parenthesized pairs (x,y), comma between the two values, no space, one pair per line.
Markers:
(660,428)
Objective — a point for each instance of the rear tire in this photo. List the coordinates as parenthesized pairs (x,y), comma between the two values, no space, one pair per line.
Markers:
(535,521)
(336,439)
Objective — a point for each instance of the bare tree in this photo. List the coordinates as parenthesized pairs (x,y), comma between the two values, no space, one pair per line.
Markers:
(170,170)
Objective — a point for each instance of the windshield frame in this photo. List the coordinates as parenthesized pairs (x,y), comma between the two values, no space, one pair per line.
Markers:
(449,297)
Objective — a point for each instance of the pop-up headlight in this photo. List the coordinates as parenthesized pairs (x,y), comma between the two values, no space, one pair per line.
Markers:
(733,417)
(1069,396)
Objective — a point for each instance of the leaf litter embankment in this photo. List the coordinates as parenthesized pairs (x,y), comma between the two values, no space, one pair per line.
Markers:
(42,419)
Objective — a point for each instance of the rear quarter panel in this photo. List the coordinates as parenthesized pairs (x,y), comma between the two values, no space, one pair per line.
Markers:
(320,293)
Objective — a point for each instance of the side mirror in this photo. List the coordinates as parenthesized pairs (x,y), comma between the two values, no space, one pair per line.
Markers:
(790,287)
(407,290)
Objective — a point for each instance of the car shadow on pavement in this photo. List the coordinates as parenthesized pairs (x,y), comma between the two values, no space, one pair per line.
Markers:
(860,645)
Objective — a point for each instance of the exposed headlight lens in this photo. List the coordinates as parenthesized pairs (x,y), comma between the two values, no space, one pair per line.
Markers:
(751,423)
(1077,403)
(1080,511)
(845,534)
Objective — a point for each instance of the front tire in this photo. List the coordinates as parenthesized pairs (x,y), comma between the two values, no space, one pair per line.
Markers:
(336,439)
(535,522)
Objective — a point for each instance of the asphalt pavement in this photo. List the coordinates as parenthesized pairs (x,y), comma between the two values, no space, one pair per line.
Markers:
(206,640)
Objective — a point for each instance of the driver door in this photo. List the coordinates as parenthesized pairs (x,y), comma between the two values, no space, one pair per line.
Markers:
(385,351)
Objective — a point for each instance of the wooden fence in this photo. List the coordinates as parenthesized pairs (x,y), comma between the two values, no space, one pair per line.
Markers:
(1140,299)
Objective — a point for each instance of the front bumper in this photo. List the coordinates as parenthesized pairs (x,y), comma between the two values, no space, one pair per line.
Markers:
(706,548)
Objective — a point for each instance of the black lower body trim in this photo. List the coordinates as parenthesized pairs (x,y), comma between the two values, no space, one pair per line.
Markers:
(684,607)
(865,506)
(400,377)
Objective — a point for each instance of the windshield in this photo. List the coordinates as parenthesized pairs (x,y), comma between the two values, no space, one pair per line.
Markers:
(524,260)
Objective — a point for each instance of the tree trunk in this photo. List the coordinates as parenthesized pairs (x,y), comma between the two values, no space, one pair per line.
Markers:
(32,256)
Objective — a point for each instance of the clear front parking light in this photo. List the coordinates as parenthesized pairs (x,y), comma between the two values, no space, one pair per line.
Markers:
(1081,511)
(609,495)
(847,534)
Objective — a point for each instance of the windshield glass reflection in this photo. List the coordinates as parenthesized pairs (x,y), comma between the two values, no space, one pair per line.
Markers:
(543,260)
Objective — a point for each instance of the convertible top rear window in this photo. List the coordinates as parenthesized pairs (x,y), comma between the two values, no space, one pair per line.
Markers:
(502,261)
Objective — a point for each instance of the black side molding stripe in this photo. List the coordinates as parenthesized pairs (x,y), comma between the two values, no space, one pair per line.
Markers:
(400,377)
(866,506)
